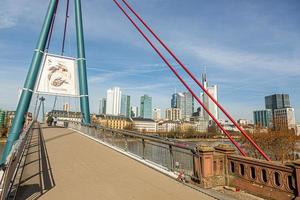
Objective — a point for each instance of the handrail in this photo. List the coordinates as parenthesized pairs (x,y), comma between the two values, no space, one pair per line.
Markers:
(138,135)
(167,155)
(13,162)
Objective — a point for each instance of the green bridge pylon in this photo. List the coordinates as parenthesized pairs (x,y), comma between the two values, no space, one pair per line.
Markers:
(32,75)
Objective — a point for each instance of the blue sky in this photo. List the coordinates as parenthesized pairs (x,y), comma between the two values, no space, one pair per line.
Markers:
(250,48)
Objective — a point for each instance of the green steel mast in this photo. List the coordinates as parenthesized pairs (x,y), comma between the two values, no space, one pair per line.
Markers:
(81,63)
(30,81)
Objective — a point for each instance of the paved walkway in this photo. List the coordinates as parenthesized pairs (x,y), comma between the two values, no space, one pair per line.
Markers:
(85,169)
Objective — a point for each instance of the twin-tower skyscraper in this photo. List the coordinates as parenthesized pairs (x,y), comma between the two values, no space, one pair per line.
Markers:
(212,107)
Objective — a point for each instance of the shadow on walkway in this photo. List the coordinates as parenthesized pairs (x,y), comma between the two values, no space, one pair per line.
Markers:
(59,136)
(36,176)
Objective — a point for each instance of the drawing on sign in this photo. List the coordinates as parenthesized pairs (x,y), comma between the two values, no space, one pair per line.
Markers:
(58,76)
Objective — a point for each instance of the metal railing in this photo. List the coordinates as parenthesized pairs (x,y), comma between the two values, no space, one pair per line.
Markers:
(10,168)
(168,155)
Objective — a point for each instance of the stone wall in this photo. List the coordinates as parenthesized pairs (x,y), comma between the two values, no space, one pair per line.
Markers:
(220,166)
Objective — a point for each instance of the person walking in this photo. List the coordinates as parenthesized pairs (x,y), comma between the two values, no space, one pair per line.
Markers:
(49,120)
(55,121)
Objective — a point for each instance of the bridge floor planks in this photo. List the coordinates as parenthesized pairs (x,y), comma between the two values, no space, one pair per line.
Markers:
(84,169)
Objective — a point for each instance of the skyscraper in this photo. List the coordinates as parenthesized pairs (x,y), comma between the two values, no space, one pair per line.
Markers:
(263,118)
(277,101)
(187,106)
(125,106)
(102,106)
(174,100)
(113,103)
(284,118)
(146,107)
(283,114)
(209,104)
(184,101)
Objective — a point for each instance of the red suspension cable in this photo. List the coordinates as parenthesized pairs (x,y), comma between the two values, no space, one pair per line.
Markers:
(198,83)
(181,80)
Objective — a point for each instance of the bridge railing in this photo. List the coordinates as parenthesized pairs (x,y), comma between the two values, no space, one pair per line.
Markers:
(9,170)
(168,155)
(272,180)
(207,166)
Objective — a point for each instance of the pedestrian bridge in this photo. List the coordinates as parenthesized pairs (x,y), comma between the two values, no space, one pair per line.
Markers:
(61,163)
(90,162)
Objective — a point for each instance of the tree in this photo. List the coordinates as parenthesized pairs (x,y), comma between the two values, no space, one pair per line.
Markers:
(279,144)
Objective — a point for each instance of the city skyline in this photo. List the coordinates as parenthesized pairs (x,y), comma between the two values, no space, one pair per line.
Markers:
(94,87)
(251,67)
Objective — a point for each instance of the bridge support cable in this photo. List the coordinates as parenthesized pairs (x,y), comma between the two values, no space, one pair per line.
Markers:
(195,80)
(181,80)
(65,28)
(42,99)
(35,105)
(51,28)
(30,81)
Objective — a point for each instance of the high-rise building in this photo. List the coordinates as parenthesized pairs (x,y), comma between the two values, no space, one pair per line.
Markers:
(173,114)
(174,100)
(66,107)
(284,118)
(184,101)
(283,114)
(213,108)
(209,104)
(263,118)
(156,114)
(134,111)
(113,101)
(277,101)
(125,106)
(188,110)
(146,107)
(102,106)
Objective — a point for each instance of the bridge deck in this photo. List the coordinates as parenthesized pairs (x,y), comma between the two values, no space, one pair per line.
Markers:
(84,169)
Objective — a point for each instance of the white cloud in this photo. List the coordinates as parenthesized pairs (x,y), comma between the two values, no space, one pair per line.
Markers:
(150,87)
(14,12)
(6,21)
(232,59)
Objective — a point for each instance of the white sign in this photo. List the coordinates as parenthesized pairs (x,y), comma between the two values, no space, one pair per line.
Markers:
(58,76)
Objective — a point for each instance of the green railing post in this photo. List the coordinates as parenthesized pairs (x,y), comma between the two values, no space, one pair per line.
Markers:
(29,84)
(81,63)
